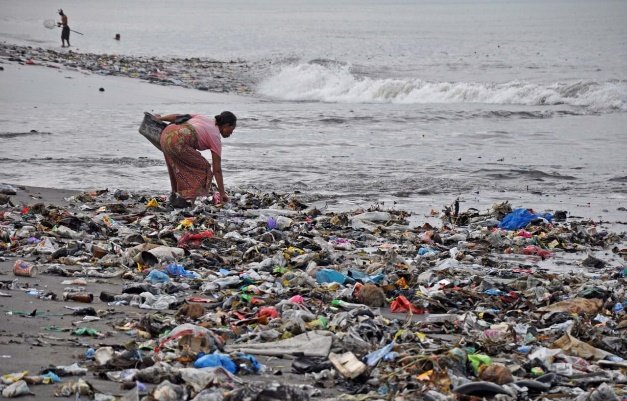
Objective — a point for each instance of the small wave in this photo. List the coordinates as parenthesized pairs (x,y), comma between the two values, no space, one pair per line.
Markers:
(517,173)
(333,120)
(619,179)
(7,135)
(89,161)
(336,83)
(523,115)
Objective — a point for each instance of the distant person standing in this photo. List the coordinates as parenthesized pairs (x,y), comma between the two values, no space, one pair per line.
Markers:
(65,32)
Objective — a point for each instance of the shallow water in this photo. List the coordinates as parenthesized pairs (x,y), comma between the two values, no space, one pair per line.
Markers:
(409,102)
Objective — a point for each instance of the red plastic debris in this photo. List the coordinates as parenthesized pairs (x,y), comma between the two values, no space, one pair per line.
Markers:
(402,304)
(192,241)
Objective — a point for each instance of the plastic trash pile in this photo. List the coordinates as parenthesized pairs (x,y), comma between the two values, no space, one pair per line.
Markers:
(267,298)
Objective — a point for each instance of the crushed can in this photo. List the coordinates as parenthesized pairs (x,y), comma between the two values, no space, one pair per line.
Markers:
(24,268)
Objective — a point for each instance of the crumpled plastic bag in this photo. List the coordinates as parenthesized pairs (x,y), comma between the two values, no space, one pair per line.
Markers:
(602,393)
(79,387)
(402,304)
(167,391)
(520,218)
(160,302)
(189,330)
(11,378)
(194,240)
(198,379)
(215,360)
(311,343)
(16,389)
(574,305)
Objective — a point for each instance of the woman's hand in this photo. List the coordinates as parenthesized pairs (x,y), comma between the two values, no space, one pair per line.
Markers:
(157,117)
(224,197)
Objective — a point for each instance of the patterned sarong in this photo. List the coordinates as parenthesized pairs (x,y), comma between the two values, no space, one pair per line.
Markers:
(190,173)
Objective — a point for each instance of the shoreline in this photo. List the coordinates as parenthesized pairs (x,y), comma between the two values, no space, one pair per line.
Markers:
(39,332)
(193,73)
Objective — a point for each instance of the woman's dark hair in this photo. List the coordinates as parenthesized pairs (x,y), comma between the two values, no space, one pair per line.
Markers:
(226,118)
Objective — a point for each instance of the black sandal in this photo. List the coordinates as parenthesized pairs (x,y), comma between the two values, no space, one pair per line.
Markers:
(179,202)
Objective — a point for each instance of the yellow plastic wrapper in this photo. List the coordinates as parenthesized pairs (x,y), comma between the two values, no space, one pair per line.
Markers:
(402,283)
(107,221)
(422,337)
(152,203)
(425,376)
(187,223)
(292,251)
(13,377)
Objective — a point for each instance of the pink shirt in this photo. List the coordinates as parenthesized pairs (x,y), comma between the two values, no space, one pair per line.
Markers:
(208,134)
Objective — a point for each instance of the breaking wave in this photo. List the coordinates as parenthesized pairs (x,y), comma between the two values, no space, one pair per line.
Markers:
(337,84)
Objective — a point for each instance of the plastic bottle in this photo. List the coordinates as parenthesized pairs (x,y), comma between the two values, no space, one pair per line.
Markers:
(222,283)
(118,299)
(338,303)
(84,297)
(524,349)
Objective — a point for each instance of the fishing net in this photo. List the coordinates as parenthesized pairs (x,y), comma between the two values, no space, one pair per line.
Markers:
(50,23)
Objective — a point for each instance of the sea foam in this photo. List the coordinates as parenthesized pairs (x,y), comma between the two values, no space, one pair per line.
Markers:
(337,84)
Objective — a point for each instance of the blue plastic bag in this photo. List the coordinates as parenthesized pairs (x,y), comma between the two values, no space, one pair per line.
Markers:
(332,276)
(520,218)
(375,356)
(157,276)
(245,359)
(364,278)
(216,360)
(52,376)
(176,270)
(493,291)
(426,251)
(90,353)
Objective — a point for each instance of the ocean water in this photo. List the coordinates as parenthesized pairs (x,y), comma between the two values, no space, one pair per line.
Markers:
(355,102)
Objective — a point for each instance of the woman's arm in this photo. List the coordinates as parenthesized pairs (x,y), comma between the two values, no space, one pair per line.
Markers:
(216,165)
(169,117)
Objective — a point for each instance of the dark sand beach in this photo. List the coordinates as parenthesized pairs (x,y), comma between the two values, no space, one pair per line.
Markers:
(35,334)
